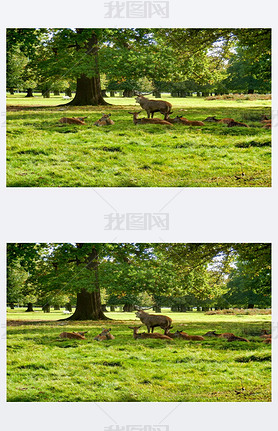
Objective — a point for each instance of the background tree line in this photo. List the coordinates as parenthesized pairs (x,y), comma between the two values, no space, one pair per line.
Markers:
(181,276)
(181,61)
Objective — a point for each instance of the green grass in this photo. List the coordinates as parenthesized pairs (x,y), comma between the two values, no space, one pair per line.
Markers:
(42,367)
(41,152)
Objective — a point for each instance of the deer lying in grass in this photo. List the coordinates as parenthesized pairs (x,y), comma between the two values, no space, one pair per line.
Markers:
(76,335)
(266,336)
(185,336)
(222,120)
(236,124)
(170,334)
(104,335)
(267,340)
(170,120)
(73,120)
(105,120)
(145,335)
(137,120)
(266,123)
(228,335)
(186,122)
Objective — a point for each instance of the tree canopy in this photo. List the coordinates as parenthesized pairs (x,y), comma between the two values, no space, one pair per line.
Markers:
(130,272)
(203,56)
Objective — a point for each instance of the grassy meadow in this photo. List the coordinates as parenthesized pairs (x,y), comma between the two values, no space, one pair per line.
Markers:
(41,152)
(42,367)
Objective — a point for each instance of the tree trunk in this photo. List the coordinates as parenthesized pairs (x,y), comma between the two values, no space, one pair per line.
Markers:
(128,93)
(56,92)
(88,91)
(88,305)
(11,91)
(46,94)
(128,308)
(104,309)
(29,92)
(56,307)
(157,308)
(68,307)
(46,308)
(12,306)
(112,307)
(157,94)
(112,93)
(68,92)
(29,307)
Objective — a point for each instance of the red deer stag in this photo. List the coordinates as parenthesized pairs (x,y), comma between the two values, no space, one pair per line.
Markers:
(105,120)
(76,335)
(145,335)
(186,122)
(153,320)
(73,120)
(137,120)
(228,335)
(104,335)
(185,336)
(152,106)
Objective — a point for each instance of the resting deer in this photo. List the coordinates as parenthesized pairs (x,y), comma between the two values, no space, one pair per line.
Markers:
(73,120)
(186,122)
(104,335)
(267,340)
(145,335)
(137,120)
(228,335)
(105,120)
(76,335)
(170,334)
(267,124)
(185,336)
(265,334)
(223,120)
(236,124)
(167,118)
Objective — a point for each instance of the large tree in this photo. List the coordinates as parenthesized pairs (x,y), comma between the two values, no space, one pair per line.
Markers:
(125,55)
(131,270)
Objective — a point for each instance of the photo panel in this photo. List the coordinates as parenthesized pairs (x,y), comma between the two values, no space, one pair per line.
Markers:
(173,220)
(139,322)
(139,107)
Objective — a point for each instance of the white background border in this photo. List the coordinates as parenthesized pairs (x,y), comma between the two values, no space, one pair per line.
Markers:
(196,215)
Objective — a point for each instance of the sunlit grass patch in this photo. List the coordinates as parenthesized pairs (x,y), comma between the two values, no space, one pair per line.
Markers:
(43,367)
(41,152)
